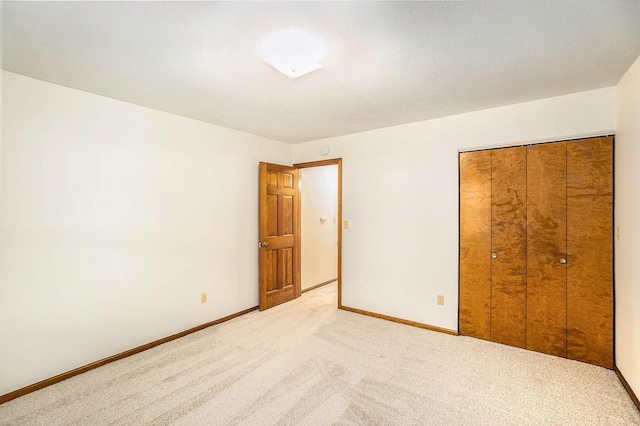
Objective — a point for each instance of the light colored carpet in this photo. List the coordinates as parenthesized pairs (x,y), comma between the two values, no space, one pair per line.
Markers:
(308,363)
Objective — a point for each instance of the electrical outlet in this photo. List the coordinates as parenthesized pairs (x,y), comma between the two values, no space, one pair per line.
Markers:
(203,298)
(618,233)
(440,299)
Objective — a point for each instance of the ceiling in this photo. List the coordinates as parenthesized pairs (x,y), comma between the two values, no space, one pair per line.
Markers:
(388,63)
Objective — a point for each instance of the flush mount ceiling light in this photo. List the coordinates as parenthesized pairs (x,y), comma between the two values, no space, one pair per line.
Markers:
(292,52)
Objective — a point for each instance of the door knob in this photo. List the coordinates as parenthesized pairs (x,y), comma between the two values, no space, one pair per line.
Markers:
(264,244)
(563,260)
(494,255)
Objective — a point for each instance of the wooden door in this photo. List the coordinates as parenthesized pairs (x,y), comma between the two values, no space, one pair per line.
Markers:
(509,245)
(547,248)
(590,251)
(475,244)
(279,233)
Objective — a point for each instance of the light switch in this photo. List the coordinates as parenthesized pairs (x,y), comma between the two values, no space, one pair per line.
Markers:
(346,224)
(618,233)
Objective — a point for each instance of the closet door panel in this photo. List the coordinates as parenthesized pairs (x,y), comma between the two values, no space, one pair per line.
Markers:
(508,242)
(590,251)
(546,246)
(475,244)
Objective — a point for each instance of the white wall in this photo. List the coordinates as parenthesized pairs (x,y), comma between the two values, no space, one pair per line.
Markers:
(319,239)
(627,214)
(400,195)
(115,218)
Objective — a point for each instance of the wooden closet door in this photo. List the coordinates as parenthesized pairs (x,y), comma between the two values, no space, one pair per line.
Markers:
(590,251)
(509,244)
(475,244)
(547,248)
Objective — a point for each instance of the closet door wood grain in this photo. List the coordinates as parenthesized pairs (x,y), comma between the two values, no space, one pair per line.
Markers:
(475,244)
(509,243)
(590,251)
(546,245)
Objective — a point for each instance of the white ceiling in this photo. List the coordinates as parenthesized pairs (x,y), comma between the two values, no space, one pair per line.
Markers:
(390,62)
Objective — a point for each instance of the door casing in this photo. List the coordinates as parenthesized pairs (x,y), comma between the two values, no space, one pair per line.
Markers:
(297,221)
(330,162)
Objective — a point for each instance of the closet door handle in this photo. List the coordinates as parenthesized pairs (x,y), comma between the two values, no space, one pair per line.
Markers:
(494,255)
(563,260)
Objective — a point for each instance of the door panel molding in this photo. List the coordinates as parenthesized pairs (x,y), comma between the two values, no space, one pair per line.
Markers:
(279,234)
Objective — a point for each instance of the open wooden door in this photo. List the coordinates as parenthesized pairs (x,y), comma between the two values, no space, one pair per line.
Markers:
(279,233)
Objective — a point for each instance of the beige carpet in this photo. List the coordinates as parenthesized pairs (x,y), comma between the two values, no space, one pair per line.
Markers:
(308,363)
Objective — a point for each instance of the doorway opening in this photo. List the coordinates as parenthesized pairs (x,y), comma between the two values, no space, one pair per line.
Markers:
(320,224)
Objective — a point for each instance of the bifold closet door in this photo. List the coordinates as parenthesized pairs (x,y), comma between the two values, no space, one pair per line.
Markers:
(509,245)
(536,248)
(590,251)
(547,248)
(475,244)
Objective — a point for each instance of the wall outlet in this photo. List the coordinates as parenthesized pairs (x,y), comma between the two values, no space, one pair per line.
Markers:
(440,299)
(203,298)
